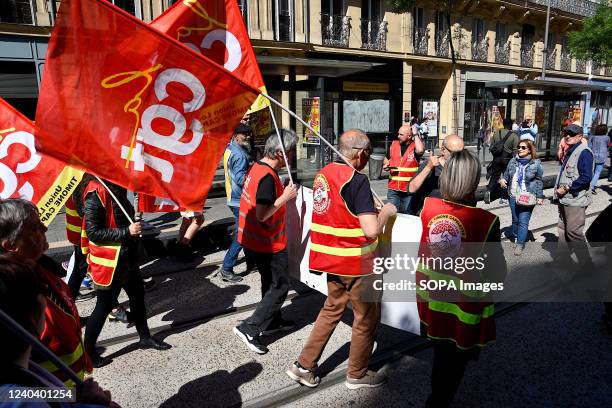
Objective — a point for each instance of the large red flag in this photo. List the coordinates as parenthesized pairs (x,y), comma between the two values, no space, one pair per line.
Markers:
(28,174)
(129,104)
(215,29)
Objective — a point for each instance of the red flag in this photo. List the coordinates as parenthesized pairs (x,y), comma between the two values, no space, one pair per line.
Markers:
(134,106)
(27,173)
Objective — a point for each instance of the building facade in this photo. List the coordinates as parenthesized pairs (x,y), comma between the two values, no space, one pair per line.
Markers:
(364,66)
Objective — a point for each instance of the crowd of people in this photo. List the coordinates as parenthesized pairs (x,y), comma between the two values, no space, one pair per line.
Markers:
(346,225)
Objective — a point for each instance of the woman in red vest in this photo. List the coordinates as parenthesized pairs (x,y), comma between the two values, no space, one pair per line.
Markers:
(455,312)
(111,244)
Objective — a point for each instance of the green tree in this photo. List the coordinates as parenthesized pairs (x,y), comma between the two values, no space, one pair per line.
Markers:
(594,40)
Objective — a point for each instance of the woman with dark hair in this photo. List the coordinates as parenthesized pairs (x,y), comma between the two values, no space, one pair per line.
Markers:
(458,322)
(524,173)
(111,244)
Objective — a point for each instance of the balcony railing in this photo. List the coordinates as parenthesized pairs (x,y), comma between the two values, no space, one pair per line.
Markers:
(502,53)
(551,56)
(480,49)
(581,66)
(566,62)
(584,8)
(420,41)
(527,56)
(17,12)
(374,35)
(335,30)
(442,44)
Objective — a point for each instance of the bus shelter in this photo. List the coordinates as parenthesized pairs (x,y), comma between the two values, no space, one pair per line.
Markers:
(551,103)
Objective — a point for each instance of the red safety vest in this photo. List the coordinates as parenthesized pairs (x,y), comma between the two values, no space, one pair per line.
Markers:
(268,236)
(465,317)
(74,222)
(338,244)
(62,331)
(102,257)
(406,166)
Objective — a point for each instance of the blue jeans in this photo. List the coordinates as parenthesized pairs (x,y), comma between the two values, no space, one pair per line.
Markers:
(596,173)
(232,253)
(520,220)
(401,200)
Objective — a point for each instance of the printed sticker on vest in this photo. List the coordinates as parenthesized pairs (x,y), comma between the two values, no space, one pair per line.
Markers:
(320,193)
(445,233)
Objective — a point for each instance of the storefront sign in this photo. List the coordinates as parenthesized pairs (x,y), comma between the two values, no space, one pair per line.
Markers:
(374,87)
(430,112)
(311,114)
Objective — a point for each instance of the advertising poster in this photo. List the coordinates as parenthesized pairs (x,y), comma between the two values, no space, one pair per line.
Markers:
(311,114)
(539,116)
(577,117)
(430,111)
(261,122)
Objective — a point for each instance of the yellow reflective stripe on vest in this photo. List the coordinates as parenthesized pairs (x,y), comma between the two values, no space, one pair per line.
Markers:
(72,212)
(338,232)
(438,276)
(73,228)
(324,249)
(67,359)
(111,263)
(397,178)
(415,169)
(452,308)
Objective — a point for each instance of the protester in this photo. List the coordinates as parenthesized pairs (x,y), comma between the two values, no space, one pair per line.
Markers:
(190,224)
(528,130)
(22,233)
(236,163)
(503,147)
(74,222)
(23,299)
(598,143)
(424,130)
(402,162)
(425,183)
(110,240)
(262,234)
(344,220)
(459,324)
(524,173)
(573,192)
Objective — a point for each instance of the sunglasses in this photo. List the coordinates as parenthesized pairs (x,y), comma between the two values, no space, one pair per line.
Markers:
(523,148)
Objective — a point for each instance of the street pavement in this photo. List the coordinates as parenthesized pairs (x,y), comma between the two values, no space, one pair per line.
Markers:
(547,354)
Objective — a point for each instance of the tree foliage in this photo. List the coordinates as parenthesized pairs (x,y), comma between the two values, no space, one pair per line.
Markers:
(594,40)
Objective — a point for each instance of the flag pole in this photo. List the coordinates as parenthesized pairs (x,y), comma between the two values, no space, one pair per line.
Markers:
(24,335)
(340,155)
(280,139)
(116,200)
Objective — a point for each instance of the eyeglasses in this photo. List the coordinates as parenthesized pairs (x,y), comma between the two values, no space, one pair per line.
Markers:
(443,148)
(523,148)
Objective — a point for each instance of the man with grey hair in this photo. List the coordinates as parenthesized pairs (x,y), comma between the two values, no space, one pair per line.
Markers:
(261,232)
(344,239)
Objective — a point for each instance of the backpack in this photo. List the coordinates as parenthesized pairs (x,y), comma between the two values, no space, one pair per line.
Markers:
(497,148)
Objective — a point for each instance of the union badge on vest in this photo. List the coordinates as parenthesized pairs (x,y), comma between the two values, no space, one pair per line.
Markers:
(320,194)
(445,233)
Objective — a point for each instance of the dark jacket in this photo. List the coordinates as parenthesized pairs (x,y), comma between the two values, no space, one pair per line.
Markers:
(533,176)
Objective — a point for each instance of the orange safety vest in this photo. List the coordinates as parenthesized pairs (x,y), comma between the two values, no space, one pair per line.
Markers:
(406,166)
(338,244)
(62,331)
(102,257)
(268,236)
(74,222)
(465,317)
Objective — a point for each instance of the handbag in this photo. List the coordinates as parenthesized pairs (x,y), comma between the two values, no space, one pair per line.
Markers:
(526,199)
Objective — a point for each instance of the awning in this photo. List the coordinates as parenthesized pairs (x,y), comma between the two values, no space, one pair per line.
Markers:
(559,85)
(272,65)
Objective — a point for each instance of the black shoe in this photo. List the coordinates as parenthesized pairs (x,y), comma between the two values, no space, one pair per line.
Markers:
(281,325)
(148,283)
(98,361)
(153,343)
(251,341)
(230,277)
(183,253)
(593,192)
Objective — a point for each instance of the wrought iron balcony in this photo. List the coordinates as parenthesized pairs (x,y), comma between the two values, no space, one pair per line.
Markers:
(584,8)
(527,56)
(420,41)
(17,12)
(566,62)
(502,53)
(374,35)
(551,56)
(335,30)
(442,44)
(581,66)
(480,49)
